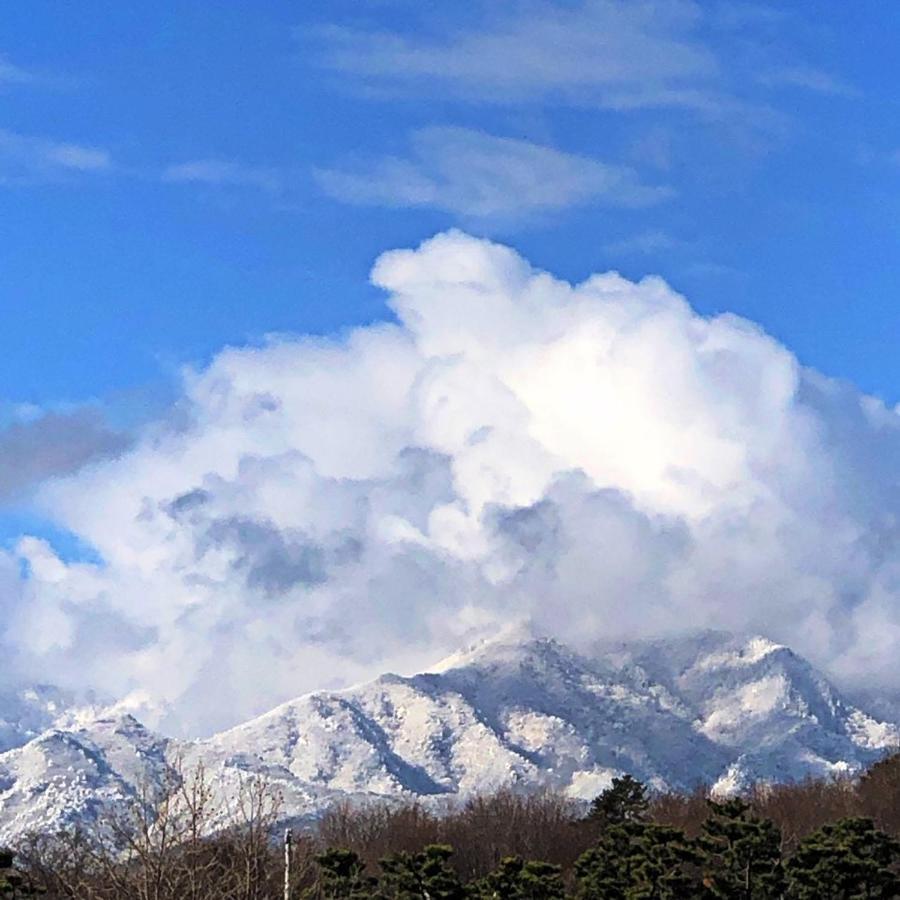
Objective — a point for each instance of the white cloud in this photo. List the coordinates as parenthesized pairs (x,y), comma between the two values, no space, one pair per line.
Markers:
(473,174)
(643,244)
(224,173)
(596,458)
(10,73)
(26,159)
(618,55)
(807,78)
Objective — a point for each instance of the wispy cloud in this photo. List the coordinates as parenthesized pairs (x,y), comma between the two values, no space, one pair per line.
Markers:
(473,174)
(713,60)
(807,78)
(602,52)
(711,269)
(10,73)
(643,244)
(225,173)
(26,159)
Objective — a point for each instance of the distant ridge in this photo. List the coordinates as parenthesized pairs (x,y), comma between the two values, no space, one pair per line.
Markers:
(517,711)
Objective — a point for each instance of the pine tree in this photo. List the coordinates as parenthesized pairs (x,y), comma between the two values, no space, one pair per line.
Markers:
(845,861)
(740,854)
(665,867)
(624,801)
(342,876)
(516,879)
(638,861)
(427,875)
(13,883)
(603,872)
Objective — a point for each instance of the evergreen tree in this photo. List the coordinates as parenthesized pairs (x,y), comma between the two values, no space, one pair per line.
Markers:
(516,879)
(849,860)
(13,883)
(603,871)
(342,876)
(624,801)
(666,865)
(421,876)
(740,854)
(638,861)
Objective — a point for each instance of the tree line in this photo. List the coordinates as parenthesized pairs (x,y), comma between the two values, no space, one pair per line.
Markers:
(817,840)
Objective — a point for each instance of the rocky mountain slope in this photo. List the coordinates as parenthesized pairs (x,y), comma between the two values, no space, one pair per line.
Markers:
(522,713)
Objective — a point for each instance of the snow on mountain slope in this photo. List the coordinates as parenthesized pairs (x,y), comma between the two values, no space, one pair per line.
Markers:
(523,713)
(780,717)
(68,777)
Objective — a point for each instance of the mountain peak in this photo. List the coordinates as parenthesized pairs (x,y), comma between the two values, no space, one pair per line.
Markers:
(512,647)
(518,710)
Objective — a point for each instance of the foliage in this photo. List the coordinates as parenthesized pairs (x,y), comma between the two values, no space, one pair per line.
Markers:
(427,874)
(834,840)
(740,854)
(845,861)
(13,882)
(624,801)
(518,879)
(342,876)
(638,861)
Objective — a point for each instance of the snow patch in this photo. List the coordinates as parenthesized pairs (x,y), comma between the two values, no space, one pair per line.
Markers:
(526,714)
(732,712)
(756,649)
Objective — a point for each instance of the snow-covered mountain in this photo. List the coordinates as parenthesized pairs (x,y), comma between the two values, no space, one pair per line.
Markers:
(24,714)
(82,774)
(522,713)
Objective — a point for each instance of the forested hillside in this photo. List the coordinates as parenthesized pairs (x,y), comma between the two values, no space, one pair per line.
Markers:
(817,840)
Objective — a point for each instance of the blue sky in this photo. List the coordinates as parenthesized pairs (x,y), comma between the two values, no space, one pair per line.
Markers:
(174,179)
(180,179)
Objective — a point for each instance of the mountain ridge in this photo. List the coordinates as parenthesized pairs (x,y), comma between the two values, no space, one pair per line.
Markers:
(518,711)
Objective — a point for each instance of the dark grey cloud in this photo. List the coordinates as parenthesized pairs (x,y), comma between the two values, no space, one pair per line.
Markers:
(185,503)
(53,445)
(277,560)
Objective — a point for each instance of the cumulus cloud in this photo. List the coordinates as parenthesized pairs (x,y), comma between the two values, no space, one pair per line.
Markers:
(478,175)
(595,458)
(26,159)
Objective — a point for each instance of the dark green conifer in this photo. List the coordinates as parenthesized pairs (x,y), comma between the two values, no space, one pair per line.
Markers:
(427,875)
(849,860)
(624,801)
(516,879)
(638,861)
(740,854)
(13,883)
(342,876)
(666,865)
